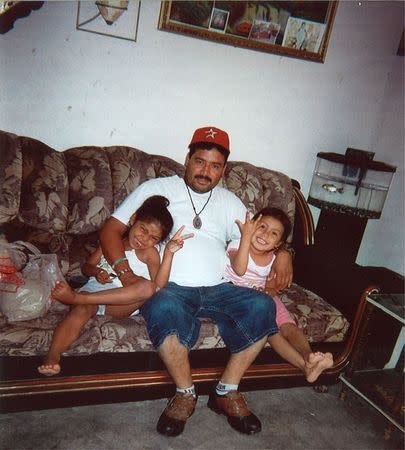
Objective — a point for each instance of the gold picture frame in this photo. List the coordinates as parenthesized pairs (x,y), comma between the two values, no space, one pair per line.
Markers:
(290,28)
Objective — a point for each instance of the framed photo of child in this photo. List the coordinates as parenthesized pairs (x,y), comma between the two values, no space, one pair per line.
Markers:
(303,34)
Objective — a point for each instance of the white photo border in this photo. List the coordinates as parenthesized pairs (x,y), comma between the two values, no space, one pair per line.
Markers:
(215,12)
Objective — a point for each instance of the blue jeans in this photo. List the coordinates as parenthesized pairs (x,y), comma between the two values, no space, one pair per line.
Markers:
(243,315)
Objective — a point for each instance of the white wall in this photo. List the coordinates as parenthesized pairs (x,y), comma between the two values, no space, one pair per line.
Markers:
(70,88)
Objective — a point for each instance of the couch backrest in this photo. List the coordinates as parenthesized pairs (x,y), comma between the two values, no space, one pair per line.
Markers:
(59,200)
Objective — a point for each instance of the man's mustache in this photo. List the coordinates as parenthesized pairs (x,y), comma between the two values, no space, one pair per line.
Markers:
(202,177)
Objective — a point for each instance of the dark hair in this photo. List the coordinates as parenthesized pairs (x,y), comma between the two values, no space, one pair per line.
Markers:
(155,209)
(278,214)
(208,146)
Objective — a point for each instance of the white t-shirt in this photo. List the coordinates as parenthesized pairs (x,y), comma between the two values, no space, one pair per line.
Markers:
(201,262)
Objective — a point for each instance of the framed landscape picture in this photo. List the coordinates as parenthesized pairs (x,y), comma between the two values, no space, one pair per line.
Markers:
(299,29)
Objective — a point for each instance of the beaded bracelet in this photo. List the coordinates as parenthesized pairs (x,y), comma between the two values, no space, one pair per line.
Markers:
(121,272)
(119,260)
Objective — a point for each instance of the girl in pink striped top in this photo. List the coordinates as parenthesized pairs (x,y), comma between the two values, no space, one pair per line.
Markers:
(249,264)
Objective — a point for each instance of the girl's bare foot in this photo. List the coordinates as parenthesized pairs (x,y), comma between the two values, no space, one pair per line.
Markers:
(314,358)
(49,369)
(64,293)
(317,363)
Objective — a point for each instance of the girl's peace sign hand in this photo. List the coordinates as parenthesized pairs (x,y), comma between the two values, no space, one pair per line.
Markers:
(177,241)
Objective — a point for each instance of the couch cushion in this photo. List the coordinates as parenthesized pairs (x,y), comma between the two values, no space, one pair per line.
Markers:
(130,167)
(90,200)
(258,187)
(319,321)
(44,191)
(10,176)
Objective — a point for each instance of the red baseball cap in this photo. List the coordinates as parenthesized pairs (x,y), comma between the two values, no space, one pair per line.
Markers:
(211,135)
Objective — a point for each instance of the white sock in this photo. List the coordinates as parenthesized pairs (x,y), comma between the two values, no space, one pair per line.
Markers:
(223,389)
(189,390)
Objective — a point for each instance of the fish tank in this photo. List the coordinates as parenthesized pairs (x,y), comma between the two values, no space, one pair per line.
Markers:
(350,184)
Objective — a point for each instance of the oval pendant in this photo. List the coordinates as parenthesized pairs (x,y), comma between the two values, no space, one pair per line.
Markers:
(197,222)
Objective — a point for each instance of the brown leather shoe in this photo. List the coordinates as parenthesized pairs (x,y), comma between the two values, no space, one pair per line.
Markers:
(233,405)
(173,419)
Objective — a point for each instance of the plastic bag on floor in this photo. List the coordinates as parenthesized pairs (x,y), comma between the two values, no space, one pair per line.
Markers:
(26,280)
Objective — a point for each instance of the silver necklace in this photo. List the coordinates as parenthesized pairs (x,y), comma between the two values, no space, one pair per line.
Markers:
(197,222)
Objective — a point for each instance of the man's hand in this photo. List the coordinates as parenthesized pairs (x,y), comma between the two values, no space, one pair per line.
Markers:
(268,290)
(281,274)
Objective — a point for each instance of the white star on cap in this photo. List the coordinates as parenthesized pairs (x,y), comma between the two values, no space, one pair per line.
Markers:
(211,133)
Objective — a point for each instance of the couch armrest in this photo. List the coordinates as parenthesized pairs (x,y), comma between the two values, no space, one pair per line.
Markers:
(304,229)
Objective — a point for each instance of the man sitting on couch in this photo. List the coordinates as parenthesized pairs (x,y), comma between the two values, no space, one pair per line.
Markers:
(245,317)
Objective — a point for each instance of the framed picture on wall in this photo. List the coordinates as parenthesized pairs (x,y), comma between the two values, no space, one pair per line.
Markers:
(303,34)
(299,29)
(114,18)
(218,20)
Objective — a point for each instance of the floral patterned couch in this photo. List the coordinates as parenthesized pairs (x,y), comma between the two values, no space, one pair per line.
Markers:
(59,200)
